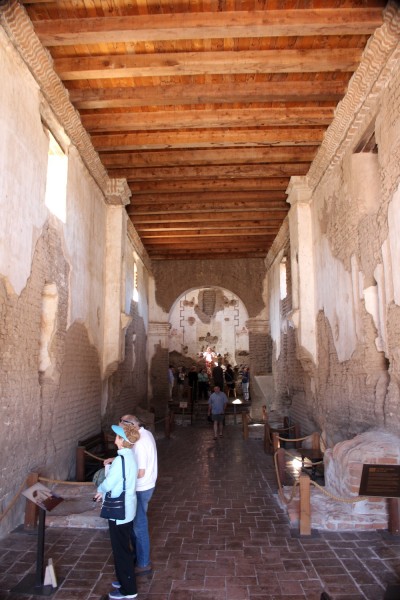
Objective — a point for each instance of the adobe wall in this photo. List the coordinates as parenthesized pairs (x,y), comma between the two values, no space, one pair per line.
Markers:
(59,341)
(344,305)
(245,278)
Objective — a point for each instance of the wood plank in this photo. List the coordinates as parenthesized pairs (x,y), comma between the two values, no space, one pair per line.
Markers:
(212,254)
(201,119)
(168,230)
(274,214)
(207,139)
(215,93)
(208,25)
(211,171)
(208,63)
(274,199)
(197,242)
(209,156)
(220,207)
(166,237)
(188,218)
(233,185)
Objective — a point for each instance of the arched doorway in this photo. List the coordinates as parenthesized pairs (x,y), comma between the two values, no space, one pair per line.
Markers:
(209,318)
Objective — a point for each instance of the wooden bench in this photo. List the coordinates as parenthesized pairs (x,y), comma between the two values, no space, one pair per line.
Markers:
(100,445)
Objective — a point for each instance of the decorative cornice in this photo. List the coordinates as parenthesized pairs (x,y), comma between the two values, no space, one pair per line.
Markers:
(117,192)
(19,29)
(364,89)
(298,190)
(137,244)
(257,326)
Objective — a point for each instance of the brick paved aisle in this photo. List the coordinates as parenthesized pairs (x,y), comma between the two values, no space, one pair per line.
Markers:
(217,534)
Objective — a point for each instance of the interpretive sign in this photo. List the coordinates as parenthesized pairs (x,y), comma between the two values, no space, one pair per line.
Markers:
(380,480)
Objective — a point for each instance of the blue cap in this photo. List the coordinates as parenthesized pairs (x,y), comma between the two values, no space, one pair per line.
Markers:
(119,431)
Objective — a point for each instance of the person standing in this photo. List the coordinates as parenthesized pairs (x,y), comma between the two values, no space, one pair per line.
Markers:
(145,451)
(245,383)
(203,383)
(171,380)
(230,381)
(192,380)
(216,408)
(121,530)
(218,376)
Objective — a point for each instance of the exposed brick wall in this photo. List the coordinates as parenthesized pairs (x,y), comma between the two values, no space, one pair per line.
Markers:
(243,277)
(76,413)
(44,414)
(351,393)
(127,387)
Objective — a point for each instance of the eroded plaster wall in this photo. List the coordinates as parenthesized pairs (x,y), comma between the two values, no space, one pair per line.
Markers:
(54,320)
(348,345)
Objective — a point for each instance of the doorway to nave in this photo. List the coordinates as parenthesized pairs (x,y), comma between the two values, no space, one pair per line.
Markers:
(207,327)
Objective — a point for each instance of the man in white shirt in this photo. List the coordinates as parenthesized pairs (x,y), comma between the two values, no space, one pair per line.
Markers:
(145,450)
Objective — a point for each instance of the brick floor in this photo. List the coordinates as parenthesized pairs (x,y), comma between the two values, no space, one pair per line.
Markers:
(217,533)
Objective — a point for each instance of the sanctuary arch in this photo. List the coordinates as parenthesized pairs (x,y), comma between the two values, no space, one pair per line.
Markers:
(238,286)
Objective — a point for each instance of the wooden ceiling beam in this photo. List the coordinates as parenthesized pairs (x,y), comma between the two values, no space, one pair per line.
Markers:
(212,186)
(220,207)
(218,227)
(215,93)
(208,139)
(222,254)
(211,171)
(208,156)
(227,62)
(211,25)
(274,198)
(166,237)
(211,243)
(202,119)
(189,218)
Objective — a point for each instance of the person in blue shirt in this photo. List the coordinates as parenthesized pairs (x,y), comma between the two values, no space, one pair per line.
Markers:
(121,530)
(217,403)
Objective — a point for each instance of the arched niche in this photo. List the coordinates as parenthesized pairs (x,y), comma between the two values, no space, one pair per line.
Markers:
(211,317)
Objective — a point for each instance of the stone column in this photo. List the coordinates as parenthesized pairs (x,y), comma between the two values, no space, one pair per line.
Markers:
(158,361)
(302,264)
(115,321)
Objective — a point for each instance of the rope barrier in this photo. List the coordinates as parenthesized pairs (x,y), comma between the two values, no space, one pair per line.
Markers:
(101,459)
(59,481)
(292,439)
(13,501)
(43,479)
(337,498)
(315,484)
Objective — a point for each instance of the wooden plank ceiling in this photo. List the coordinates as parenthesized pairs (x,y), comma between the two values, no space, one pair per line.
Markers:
(206,107)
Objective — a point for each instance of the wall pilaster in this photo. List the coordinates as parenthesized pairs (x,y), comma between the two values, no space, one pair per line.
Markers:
(115,320)
(302,264)
(158,361)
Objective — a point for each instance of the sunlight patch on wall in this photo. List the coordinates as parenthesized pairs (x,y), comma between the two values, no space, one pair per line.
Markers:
(56,184)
